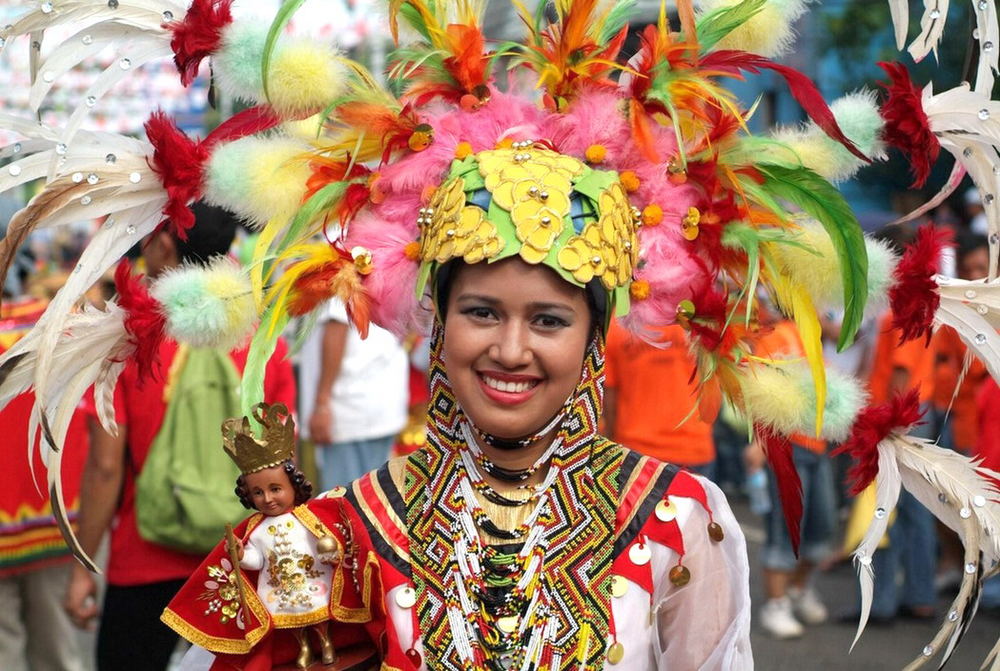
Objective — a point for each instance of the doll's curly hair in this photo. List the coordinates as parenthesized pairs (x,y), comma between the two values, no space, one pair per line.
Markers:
(303,488)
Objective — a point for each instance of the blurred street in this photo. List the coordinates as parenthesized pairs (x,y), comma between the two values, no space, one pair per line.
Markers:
(882,648)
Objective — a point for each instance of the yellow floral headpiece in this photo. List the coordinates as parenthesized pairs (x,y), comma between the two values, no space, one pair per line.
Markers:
(530,201)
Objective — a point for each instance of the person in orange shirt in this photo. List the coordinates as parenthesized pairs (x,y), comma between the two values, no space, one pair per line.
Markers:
(791,599)
(653,388)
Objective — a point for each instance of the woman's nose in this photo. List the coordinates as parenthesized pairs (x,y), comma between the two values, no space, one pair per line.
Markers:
(512,348)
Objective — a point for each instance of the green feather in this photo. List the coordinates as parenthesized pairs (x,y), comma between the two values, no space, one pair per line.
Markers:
(415,20)
(281,19)
(617,18)
(823,202)
(716,24)
(261,349)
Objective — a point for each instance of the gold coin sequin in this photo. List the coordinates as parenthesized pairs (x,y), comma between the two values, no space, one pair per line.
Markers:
(616,653)
(680,575)
(406,597)
(715,532)
(640,554)
(619,586)
(507,624)
(666,511)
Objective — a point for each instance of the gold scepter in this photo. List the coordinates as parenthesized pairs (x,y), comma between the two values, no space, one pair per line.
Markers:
(233,548)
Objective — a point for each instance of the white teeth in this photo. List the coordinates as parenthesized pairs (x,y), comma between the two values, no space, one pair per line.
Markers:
(509,387)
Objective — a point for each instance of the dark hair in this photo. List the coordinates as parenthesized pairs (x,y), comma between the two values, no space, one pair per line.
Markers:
(212,234)
(968,243)
(303,488)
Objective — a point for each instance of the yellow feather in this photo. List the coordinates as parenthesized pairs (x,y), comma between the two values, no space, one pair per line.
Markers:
(260,250)
(795,300)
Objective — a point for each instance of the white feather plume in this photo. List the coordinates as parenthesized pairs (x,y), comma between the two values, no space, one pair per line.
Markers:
(136,26)
(960,493)
(887,485)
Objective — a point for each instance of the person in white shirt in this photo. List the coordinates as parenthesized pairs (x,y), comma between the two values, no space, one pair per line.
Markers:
(361,394)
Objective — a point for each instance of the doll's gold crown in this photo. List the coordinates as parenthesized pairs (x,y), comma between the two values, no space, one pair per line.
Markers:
(276,444)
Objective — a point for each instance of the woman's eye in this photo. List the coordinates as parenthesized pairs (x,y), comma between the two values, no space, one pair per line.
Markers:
(551,322)
(479,313)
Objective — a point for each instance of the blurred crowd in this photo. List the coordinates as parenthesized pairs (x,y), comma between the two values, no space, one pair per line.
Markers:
(360,401)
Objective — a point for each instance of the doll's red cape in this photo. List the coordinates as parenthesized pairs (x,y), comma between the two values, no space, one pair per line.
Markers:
(210,612)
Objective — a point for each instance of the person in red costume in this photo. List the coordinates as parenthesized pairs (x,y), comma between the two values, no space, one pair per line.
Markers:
(143,576)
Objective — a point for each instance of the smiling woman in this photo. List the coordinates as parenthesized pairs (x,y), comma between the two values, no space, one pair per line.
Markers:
(513,227)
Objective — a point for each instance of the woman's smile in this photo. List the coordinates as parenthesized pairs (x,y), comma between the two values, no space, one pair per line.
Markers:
(508,389)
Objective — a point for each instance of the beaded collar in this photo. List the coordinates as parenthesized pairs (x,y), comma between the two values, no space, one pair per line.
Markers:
(479,608)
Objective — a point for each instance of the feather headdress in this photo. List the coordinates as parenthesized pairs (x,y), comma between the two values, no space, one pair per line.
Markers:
(638,176)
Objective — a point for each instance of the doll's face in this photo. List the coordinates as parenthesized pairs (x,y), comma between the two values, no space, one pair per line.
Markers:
(271,491)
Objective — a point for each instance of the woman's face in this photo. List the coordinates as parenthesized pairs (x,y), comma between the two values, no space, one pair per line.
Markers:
(514,341)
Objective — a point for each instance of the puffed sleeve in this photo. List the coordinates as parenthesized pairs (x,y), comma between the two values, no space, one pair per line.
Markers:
(705,624)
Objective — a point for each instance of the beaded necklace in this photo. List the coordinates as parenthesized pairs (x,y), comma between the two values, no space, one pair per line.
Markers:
(479,482)
(545,605)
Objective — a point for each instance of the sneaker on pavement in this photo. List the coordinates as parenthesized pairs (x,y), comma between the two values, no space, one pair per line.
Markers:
(807,606)
(777,619)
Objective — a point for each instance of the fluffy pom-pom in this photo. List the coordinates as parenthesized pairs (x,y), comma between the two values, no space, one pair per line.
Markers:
(881,274)
(207,306)
(814,265)
(845,396)
(236,64)
(773,398)
(914,297)
(768,33)
(783,399)
(259,179)
(304,78)
(872,427)
(858,116)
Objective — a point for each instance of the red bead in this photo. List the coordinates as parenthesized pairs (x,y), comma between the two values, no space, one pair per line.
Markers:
(414,658)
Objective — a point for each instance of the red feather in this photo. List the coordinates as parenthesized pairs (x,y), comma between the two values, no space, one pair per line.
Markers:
(197,36)
(250,121)
(779,456)
(179,161)
(800,86)
(144,318)
(312,289)
(913,296)
(872,426)
(906,125)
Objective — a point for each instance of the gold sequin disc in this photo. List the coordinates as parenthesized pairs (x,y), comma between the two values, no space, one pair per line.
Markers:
(680,576)
(666,511)
(406,597)
(507,624)
(639,554)
(619,586)
(715,532)
(616,653)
